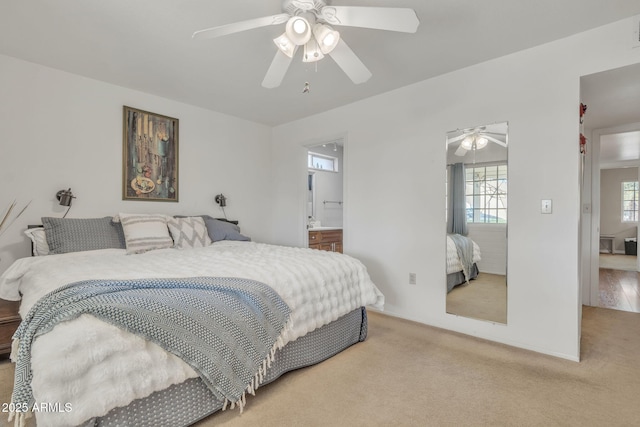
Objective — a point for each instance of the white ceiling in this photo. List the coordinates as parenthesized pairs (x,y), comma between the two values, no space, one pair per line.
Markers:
(612,97)
(613,100)
(146,45)
(620,150)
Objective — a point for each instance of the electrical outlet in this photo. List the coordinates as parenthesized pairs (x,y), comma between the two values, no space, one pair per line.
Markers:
(412,278)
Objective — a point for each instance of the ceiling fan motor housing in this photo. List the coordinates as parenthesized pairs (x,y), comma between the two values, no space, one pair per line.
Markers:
(295,7)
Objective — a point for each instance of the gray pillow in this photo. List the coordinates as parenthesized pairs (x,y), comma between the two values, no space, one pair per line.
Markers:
(82,234)
(221,230)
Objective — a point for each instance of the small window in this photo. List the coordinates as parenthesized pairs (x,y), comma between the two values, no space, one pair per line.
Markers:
(486,193)
(630,201)
(323,162)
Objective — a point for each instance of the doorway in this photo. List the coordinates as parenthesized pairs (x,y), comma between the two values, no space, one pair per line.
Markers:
(615,279)
(612,127)
(618,278)
(325,196)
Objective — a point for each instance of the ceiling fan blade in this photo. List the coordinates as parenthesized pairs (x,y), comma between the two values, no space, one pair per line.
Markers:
(350,63)
(237,27)
(461,151)
(497,141)
(495,134)
(456,139)
(380,18)
(277,70)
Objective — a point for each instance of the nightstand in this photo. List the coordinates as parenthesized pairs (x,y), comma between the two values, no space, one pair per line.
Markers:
(9,321)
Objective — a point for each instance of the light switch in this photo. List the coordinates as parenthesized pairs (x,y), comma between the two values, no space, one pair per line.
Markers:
(546,206)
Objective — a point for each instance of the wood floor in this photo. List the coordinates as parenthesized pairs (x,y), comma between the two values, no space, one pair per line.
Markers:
(619,290)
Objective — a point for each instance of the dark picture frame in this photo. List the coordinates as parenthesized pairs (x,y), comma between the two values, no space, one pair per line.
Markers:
(150,156)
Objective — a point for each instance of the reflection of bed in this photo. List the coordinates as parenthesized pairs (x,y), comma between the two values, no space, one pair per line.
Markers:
(455,275)
(112,377)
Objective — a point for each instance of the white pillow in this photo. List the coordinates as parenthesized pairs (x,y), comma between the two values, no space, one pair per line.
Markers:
(144,232)
(39,239)
(189,232)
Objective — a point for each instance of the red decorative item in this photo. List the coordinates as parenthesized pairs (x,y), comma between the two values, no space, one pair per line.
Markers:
(583,144)
(583,139)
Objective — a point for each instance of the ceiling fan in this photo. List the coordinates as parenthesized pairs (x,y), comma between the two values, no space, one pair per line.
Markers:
(309,24)
(476,139)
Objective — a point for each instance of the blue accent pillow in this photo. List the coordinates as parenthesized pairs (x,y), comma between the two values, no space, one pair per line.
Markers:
(82,234)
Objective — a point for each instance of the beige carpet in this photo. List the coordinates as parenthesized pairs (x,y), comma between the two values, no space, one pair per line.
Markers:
(483,298)
(619,262)
(407,374)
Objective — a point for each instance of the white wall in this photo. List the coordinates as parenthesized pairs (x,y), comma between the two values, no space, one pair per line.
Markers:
(395,183)
(60,130)
(492,240)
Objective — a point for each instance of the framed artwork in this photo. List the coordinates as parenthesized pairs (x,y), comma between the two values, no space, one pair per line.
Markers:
(150,156)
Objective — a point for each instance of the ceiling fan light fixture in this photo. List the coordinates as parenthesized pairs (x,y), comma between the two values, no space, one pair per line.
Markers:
(467,143)
(326,37)
(481,142)
(299,26)
(312,51)
(298,29)
(474,141)
(285,45)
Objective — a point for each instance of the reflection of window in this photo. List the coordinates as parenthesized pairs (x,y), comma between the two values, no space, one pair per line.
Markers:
(630,201)
(486,193)
(322,162)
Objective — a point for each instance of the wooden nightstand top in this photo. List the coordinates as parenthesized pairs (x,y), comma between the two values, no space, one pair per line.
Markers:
(9,311)
(9,322)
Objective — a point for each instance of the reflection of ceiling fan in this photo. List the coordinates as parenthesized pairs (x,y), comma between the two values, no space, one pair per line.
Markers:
(476,139)
(308,24)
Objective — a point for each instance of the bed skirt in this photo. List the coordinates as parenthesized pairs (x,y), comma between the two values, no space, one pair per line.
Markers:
(455,279)
(188,402)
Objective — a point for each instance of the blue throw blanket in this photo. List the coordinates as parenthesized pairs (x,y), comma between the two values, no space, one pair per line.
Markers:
(226,329)
(464,247)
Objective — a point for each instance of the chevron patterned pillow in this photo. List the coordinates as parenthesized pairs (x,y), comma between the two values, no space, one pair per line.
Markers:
(189,232)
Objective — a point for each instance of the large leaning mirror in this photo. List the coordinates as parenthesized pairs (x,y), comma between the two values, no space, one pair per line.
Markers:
(477,169)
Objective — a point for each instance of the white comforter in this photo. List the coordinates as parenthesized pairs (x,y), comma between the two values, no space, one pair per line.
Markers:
(453,260)
(95,366)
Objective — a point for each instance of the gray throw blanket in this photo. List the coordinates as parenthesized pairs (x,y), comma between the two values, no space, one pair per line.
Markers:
(226,329)
(464,246)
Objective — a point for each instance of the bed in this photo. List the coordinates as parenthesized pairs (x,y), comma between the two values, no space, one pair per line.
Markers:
(109,376)
(457,260)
